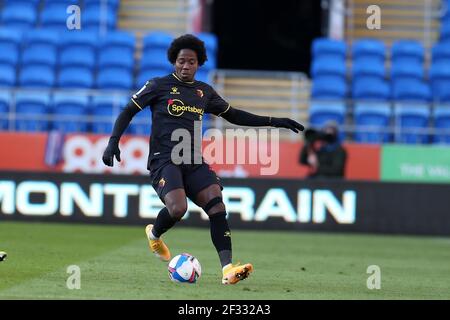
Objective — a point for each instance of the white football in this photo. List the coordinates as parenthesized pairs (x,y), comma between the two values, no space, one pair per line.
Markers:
(184,268)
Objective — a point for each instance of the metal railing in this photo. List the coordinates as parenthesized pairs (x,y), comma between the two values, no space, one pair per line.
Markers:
(297,84)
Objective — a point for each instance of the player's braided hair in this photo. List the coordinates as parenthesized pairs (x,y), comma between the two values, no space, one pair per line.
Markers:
(187,41)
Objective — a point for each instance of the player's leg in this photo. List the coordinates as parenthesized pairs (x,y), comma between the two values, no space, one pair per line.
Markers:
(210,199)
(168,184)
(203,187)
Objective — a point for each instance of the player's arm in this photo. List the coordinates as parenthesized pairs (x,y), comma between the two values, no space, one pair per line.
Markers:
(144,97)
(244,118)
(121,123)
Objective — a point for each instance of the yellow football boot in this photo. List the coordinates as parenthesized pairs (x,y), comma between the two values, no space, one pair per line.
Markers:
(158,247)
(234,273)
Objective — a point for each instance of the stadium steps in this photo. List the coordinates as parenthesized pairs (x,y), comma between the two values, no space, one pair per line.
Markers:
(265,93)
(144,16)
(400,19)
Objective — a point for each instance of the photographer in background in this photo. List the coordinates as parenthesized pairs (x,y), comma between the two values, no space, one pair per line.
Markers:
(323,153)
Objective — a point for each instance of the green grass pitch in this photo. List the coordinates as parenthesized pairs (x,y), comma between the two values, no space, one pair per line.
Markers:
(115,263)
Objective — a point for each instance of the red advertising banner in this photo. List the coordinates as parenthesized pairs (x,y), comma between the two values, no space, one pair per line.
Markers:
(82,153)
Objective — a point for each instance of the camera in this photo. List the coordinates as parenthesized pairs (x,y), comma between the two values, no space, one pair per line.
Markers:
(312,135)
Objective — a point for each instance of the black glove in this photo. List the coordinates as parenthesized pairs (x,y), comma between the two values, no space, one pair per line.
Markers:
(286,123)
(111,150)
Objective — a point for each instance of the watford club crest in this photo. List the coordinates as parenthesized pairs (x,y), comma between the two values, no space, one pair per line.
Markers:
(200,93)
(162,183)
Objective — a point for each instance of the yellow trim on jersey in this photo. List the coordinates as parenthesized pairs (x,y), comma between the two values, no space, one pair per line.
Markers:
(176,77)
(137,105)
(229,106)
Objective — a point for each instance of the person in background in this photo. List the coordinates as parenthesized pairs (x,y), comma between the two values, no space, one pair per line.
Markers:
(323,152)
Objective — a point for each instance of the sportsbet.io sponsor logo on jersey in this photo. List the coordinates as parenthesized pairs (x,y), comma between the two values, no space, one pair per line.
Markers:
(177,107)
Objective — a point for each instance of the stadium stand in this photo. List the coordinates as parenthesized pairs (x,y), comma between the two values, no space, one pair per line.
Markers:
(394,90)
(375,79)
(37,51)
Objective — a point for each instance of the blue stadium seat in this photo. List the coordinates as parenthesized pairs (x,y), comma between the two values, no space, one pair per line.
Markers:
(70,112)
(405,70)
(10,41)
(329,87)
(19,15)
(411,119)
(39,76)
(9,54)
(442,122)
(5,101)
(445,31)
(369,49)
(372,122)
(211,44)
(146,75)
(440,81)
(440,53)
(114,4)
(39,55)
(114,78)
(370,88)
(106,109)
(141,123)
(76,78)
(157,40)
(328,66)
(42,37)
(363,67)
(60,2)
(117,50)
(93,18)
(119,39)
(210,40)
(34,3)
(328,48)
(411,90)
(40,47)
(154,59)
(408,52)
(203,75)
(55,16)
(7,75)
(78,49)
(77,57)
(320,112)
(116,58)
(210,64)
(31,109)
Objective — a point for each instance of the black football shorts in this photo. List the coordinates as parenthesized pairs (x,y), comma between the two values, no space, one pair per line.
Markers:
(193,178)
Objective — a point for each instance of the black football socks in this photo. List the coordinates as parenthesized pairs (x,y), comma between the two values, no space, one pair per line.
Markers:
(164,222)
(221,237)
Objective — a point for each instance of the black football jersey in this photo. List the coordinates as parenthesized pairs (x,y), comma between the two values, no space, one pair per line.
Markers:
(177,105)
